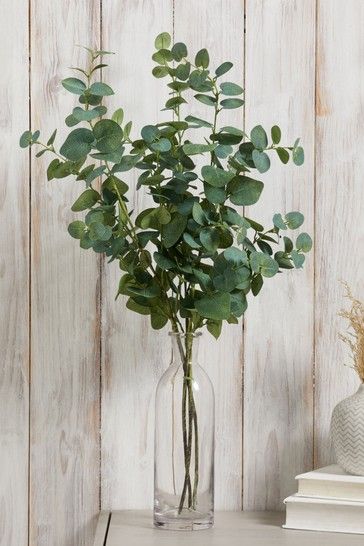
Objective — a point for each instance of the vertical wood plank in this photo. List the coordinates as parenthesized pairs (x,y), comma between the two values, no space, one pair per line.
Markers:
(65,320)
(133,355)
(14,270)
(339,201)
(278,347)
(219,27)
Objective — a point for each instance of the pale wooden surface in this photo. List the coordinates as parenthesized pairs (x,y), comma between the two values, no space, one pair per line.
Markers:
(133,355)
(14,271)
(232,528)
(221,31)
(282,331)
(65,372)
(339,201)
(278,341)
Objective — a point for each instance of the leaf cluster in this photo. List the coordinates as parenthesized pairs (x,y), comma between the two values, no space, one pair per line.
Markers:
(192,258)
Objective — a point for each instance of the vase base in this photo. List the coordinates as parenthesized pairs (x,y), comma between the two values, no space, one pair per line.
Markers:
(187,520)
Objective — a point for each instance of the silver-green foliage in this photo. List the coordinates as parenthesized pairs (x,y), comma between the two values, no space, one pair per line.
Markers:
(192,258)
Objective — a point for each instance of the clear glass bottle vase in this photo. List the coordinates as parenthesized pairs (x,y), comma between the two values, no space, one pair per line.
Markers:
(184,441)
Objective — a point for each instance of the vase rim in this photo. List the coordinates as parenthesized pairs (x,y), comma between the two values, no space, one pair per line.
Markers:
(185,334)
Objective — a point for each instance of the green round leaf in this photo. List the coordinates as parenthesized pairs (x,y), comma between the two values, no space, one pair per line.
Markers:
(25,139)
(304,242)
(191,241)
(258,136)
(150,133)
(163,41)
(215,176)
(298,156)
(288,245)
(163,56)
(210,239)
(118,116)
(163,262)
(198,214)
(183,71)
(276,134)
(198,122)
(283,155)
(263,264)
(78,144)
(229,104)
(76,229)
(179,51)
(215,307)
(87,115)
(172,231)
(279,222)
(202,58)
(223,68)
(244,190)
(160,71)
(294,220)
(86,200)
(162,145)
(298,259)
(108,134)
(206,99)
(74,85)
(158,320)
(235,256)
(238,304)
(214,195)
(261,161)
(256,284)
(99,232)
(101,89)
(228,88)
(193,149)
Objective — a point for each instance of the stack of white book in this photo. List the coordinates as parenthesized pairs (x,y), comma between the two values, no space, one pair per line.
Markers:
(328,499)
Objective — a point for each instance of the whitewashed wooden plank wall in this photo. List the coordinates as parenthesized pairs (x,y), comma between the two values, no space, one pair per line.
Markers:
(78,372)
(65,321)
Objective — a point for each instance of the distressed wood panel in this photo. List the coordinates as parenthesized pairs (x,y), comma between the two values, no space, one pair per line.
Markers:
(220,28)
(65,339)
(339,200)
(278,341)
(133,355)
(14,270)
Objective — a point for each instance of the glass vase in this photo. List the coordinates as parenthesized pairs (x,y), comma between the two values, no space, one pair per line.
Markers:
(184,441)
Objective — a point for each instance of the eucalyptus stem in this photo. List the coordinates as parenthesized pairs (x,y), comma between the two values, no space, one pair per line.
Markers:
(189,425)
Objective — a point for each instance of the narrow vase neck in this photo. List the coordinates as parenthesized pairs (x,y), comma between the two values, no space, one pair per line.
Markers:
(184,348)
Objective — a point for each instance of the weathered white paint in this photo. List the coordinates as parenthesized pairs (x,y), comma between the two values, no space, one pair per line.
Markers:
(64,412)
(282,429)
(278,337)
(339,201)
(14,271)
(133,355)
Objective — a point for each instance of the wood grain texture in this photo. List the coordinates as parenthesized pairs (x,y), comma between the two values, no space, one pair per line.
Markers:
(221,30)
(133,355)
(14,271)
(339,201)
(65,340)
(278,342)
